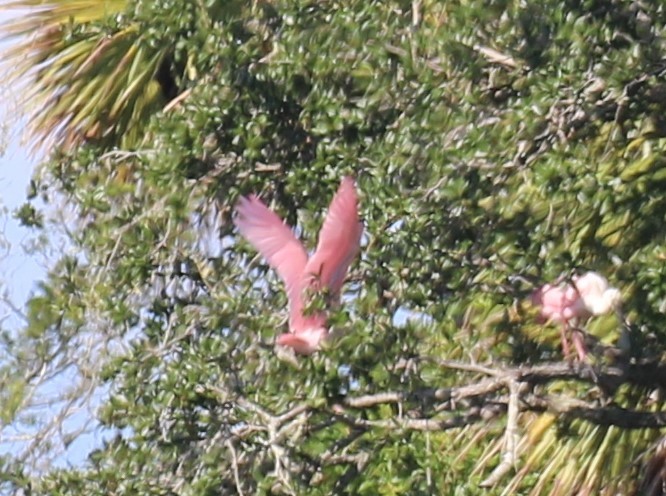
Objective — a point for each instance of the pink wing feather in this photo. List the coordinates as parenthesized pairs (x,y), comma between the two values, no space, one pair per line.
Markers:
(339,240)
(559,303)
(276,242)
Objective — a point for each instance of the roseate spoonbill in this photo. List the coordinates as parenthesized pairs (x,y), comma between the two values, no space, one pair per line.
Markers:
(326,269)
(570,304)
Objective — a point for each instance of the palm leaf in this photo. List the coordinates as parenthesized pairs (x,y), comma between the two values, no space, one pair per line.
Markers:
(52,13)
(585,459)
(84,85)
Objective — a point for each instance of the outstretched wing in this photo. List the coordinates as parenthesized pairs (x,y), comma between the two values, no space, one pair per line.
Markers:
(339,239)
(276,242)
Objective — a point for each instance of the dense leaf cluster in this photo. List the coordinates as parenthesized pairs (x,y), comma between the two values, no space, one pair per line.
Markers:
(496,145)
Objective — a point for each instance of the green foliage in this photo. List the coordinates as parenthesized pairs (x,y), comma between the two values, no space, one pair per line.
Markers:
(489,140)
(29,216)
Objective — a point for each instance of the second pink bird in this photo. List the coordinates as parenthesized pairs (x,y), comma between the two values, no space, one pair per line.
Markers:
(569,304)
(339,241)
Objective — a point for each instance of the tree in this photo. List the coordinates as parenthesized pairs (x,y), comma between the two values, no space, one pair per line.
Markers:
(496,146)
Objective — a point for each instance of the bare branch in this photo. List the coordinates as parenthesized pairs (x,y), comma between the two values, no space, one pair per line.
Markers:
(468,367)
(600,415)
(511,438)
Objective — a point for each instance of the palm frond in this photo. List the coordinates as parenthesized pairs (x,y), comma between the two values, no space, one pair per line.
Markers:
(46,14)
(83,84)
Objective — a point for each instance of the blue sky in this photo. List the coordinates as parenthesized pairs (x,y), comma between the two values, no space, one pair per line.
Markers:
(19,270)
(21,267)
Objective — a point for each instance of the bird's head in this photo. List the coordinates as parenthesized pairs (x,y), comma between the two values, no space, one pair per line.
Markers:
(613,297)
(599,298)
(608,301)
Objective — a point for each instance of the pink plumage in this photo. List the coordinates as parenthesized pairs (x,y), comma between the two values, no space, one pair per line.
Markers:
(587,295)
(339,241)
(559,303)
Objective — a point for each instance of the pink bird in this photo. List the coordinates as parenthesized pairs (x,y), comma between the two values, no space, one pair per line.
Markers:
(569,304)
(339,241)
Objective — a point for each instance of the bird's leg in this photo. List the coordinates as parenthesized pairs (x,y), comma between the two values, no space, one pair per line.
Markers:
(565,341)
(579,344)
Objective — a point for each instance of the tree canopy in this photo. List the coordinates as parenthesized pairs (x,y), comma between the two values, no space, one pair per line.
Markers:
(496,146)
